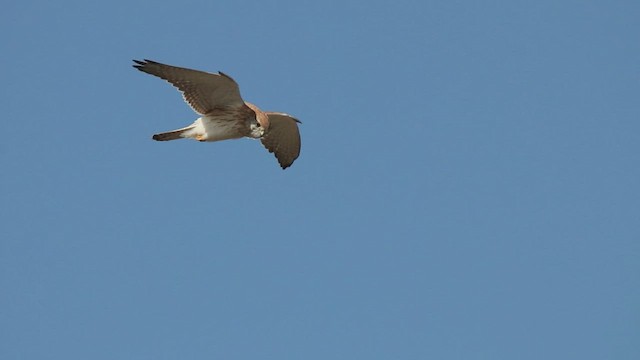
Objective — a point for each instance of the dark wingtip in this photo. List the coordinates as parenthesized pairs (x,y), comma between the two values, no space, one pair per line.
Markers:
(140,64)
(156,137)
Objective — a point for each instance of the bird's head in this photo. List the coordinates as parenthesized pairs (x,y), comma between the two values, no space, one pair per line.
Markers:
(258,124)
(257,131)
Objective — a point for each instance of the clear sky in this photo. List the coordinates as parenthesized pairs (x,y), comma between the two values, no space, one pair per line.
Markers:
(468,186)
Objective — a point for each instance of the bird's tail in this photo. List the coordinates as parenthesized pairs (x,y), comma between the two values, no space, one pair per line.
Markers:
(172,135)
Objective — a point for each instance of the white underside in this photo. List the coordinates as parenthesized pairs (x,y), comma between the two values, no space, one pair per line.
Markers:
(212,129)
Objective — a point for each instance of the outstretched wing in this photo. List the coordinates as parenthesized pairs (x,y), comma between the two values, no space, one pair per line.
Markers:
(202,90)
(283,138)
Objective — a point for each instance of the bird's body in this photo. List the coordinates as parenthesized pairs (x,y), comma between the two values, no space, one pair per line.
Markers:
(221,124)
(224,114)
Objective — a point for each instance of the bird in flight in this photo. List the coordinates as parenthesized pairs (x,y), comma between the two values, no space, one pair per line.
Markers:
(224,115)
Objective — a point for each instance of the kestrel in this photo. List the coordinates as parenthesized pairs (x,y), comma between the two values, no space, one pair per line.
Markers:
(224,115)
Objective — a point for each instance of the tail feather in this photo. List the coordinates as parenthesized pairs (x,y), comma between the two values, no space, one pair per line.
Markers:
(172,135)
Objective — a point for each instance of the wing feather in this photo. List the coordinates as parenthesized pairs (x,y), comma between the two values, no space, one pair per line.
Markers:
(283,138)
(203,91)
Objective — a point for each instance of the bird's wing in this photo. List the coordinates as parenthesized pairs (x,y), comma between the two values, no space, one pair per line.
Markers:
(202,90)
(283,138)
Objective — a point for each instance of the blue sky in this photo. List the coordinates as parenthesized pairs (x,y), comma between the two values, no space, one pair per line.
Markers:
(467,187)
